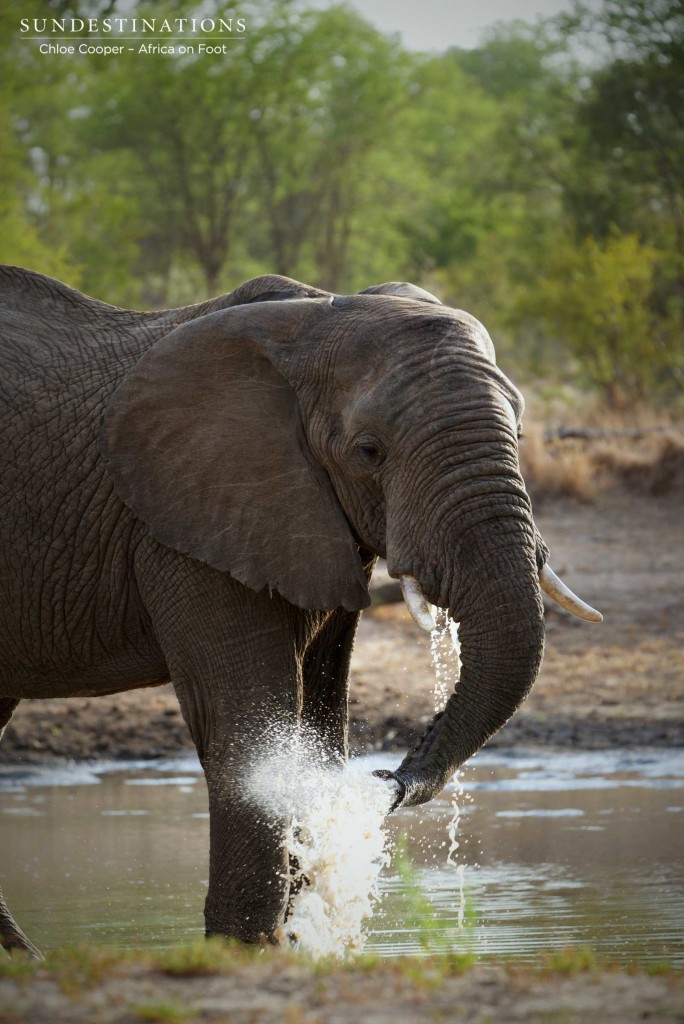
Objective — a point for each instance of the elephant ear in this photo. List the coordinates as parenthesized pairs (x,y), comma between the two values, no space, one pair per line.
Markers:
(403,290)
(205,443)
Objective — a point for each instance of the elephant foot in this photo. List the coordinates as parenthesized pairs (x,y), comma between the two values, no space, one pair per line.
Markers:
(12,939)
(14,942)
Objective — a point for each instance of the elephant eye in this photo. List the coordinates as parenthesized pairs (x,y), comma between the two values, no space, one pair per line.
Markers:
(370,452)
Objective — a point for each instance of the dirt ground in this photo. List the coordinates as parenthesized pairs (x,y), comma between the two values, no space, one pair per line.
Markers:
(275,989)
(617,683)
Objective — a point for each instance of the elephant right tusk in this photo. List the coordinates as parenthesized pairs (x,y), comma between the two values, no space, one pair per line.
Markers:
(417,603)
(562,595)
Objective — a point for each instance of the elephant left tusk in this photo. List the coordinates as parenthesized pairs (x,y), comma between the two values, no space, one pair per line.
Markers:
(562,595)
(417,603)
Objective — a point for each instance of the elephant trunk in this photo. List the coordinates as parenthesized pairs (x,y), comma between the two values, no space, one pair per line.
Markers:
(497,602)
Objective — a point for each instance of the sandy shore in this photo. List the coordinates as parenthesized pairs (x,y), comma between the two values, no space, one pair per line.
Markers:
(242,989)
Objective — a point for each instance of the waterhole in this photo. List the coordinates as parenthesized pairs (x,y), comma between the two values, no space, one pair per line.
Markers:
(550,851)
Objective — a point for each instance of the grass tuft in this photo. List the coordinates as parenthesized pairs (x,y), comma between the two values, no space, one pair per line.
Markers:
(572,961)
(649,462)
(659,967)
(558,472)
(19,967)
(204,957)
(161,1012)
(419,915)
(82,967)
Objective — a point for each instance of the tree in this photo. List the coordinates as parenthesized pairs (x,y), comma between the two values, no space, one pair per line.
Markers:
(326,90)
(598,296)
(488,127)
(630,119)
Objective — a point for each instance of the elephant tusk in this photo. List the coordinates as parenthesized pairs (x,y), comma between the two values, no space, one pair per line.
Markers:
(562,595)
(417,603)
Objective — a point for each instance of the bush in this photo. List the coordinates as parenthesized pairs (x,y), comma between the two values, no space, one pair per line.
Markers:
(612,303)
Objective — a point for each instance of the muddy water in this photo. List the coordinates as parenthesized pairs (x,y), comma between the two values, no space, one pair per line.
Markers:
(554,850)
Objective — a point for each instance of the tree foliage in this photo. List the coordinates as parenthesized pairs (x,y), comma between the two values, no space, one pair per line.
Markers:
(602,297)
(536,187)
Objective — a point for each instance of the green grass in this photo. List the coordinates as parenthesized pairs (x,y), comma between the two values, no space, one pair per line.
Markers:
(418,914)
(573,961)
(79,968)
(658,967)
(161,1011)
(204,957)
(74,968)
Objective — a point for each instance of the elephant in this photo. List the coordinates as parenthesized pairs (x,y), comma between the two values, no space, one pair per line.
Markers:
(200,494)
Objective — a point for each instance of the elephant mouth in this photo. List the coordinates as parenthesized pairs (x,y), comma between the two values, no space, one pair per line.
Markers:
(553,586)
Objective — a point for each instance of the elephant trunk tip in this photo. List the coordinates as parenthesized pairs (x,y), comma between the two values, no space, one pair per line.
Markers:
(395,785)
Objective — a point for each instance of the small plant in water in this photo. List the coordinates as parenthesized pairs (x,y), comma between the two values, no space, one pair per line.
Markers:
(420,917)
(571,960)
(656,967)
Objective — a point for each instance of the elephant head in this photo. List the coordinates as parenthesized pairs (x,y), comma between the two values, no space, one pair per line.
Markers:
(297,433)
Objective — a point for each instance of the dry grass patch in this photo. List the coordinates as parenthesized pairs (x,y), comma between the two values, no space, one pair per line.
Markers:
(647,460)
(656,468)
(560,471)
(646,671)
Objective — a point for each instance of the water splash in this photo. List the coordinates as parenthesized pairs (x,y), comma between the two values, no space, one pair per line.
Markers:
(454,844)
(335,836)
(445,651)
(452,827)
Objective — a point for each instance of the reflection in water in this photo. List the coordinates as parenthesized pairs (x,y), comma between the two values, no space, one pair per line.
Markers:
(571,849)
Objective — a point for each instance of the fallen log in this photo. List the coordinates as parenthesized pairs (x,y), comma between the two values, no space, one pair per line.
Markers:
(597,434)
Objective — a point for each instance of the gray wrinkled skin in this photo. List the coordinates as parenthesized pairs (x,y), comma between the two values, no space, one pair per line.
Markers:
(201,494)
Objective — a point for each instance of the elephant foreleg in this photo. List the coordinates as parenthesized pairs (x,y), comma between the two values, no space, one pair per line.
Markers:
(231,657)
(12,937)
(326,676)
(326,683)
(248,862)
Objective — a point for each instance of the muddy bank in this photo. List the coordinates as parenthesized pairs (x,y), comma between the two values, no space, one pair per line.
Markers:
(620,683)
(78,989)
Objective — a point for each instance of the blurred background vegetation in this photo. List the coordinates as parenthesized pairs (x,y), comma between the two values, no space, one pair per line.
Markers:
(536,180)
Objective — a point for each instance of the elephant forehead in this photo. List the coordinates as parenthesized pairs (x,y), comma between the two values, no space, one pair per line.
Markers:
(397,399)
(404,345)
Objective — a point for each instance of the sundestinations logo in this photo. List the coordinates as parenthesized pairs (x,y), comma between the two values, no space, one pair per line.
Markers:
(162,26)
(64,36)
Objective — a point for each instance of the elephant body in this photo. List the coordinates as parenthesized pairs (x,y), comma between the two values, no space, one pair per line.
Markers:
(200,494)
(81,608)
(72,616)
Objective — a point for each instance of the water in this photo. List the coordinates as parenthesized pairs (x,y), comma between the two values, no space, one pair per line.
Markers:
(554,850)
(336,836)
